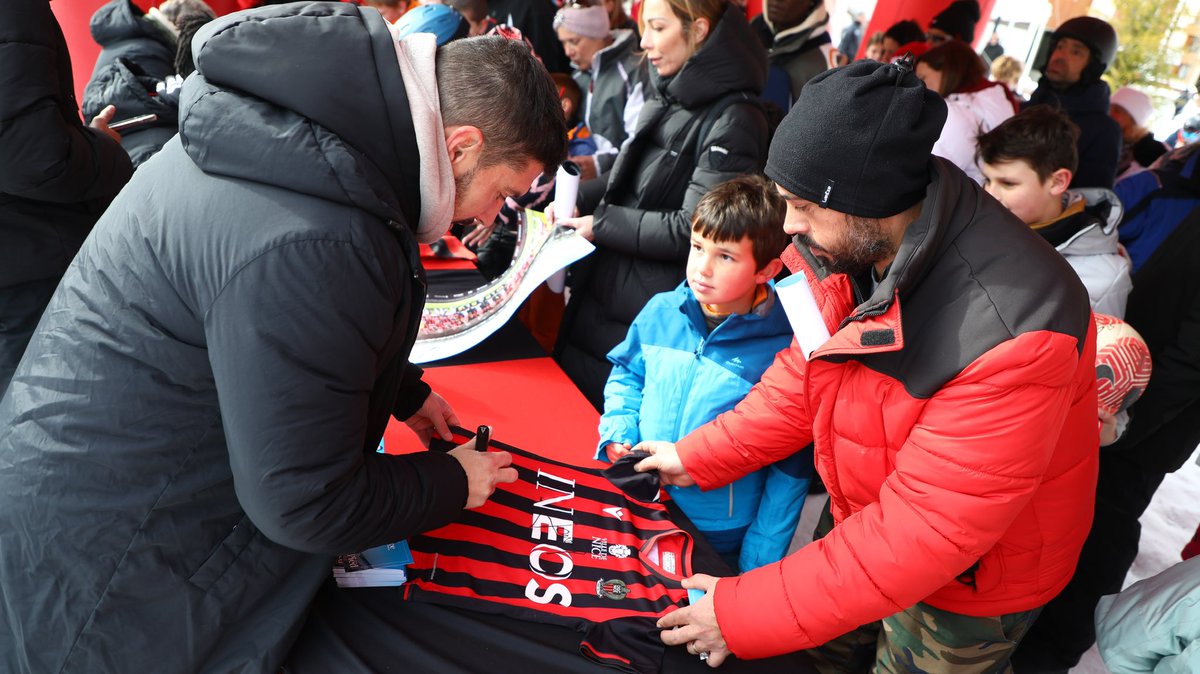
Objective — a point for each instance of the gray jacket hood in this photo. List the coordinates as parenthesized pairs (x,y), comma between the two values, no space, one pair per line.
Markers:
(1099,238)
(339,129)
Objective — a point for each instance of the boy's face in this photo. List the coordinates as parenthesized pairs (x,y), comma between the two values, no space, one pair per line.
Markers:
(725,274)
(1016,185)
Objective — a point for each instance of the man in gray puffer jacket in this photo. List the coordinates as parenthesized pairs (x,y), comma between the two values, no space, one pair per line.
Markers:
(191,436)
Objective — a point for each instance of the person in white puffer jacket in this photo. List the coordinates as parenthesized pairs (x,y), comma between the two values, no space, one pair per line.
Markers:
(974,105)
(1028,162)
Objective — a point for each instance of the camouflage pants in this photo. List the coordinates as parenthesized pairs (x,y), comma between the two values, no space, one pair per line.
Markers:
(926,639)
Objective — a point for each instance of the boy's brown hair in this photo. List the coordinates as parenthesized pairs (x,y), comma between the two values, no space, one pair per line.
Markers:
(1041,136)
(747,206)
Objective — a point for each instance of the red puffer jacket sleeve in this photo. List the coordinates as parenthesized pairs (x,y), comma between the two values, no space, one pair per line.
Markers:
(770,424)
(962,474)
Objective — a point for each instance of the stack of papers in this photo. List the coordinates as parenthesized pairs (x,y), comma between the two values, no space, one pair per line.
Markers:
(378,567)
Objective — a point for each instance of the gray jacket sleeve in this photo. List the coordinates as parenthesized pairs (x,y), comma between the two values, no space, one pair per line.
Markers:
(736,145)
(294,340)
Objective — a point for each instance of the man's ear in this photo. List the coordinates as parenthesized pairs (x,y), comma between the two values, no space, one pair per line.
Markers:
(1060,180)
(769,272)
(464,144)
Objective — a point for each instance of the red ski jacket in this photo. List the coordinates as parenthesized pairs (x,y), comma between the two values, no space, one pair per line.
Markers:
(953,413)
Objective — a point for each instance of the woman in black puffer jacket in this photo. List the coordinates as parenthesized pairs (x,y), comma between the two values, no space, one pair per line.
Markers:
(705,126)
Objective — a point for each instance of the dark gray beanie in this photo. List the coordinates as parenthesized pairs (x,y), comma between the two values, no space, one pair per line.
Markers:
(858,139)
(958,20)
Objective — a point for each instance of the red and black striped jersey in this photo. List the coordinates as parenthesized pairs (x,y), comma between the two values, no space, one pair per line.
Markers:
(563,544)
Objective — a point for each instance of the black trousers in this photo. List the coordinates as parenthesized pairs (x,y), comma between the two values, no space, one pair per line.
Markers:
(21,308)
(1066,628)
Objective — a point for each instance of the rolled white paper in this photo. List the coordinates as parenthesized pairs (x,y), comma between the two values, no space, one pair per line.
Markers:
(800,306)
(566,189)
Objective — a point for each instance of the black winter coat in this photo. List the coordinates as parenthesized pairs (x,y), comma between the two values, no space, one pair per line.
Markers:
(643,224)
(195,438)
(1164,307)
(136,53)
(535,20)
(56,175)
(1099,134)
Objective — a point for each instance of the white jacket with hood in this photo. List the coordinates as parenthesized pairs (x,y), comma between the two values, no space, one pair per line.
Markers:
(968,115)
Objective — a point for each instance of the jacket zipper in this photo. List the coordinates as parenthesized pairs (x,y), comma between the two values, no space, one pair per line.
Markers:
(691,377)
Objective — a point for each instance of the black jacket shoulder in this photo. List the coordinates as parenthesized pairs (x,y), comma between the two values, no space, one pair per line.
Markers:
(57,175)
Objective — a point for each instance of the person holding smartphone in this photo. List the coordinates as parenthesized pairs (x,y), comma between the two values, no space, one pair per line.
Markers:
(56,174)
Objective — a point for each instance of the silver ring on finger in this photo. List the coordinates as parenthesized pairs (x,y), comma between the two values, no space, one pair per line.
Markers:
(703,656)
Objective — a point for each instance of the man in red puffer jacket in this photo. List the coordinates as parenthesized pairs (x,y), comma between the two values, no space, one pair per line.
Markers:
(952,410)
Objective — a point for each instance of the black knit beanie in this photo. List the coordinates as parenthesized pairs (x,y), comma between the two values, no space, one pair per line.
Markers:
(958,19)
(858,139)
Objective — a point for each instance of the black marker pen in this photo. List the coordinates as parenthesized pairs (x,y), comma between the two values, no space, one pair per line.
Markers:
(483,436)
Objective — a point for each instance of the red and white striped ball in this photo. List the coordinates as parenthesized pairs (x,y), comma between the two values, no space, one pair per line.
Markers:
(1122,364)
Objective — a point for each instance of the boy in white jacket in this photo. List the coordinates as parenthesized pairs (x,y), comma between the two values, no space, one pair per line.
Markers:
(1028,162)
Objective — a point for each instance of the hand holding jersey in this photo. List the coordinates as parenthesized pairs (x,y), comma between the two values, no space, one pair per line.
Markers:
(665,460)
(484,471)
(435,417)
(696,625)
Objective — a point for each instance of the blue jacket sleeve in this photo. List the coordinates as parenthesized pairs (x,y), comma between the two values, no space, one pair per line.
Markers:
(623,393)
(771,532)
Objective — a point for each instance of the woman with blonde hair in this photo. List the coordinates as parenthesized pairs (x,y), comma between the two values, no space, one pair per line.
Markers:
(1008,70)
(704,127)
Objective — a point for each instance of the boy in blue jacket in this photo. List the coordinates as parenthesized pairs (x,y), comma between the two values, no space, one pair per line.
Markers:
(695,352)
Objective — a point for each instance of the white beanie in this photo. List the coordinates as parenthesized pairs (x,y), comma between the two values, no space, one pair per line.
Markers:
(1134,102)
(585,21)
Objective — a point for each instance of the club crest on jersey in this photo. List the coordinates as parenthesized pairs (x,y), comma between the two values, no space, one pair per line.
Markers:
(619,551)
(613,589)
